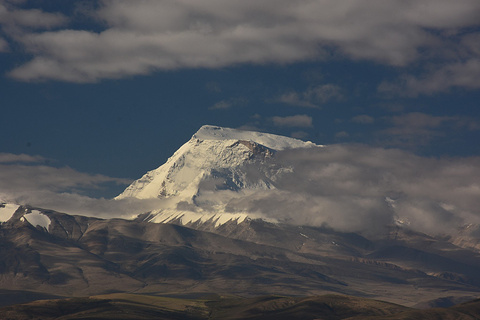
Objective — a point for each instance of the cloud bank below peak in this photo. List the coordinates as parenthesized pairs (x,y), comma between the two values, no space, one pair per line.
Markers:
(363,189)
(144,36)
(351,188)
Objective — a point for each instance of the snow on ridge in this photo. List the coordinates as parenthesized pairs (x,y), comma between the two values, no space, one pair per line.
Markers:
(7,210)
(212,163)
(212,150)
(269,140)
(36,218)
(189,217)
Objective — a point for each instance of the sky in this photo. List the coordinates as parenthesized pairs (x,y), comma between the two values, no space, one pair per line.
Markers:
(95,93)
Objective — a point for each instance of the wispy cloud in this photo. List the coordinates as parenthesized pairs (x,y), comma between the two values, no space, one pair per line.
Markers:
(418,129)
(144,36)
(363,119)
(28,180)
(313,97)
(4,47)
(342,134)
(299,134)
(221,105)
(228,103)
(213,87)
(20,158)
(15,20)
(299,120)
(21,178)
(460,69)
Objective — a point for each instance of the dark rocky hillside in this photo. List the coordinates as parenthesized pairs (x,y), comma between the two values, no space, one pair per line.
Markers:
(82,256)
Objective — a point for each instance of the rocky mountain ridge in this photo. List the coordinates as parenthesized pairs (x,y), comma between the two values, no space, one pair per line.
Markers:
(198,241)
(78,256)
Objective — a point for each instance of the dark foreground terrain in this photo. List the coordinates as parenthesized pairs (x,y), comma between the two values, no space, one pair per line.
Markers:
(133,306)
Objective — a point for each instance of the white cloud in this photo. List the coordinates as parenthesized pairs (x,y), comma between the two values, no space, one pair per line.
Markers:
(299,120)
(347,186)
(461,69)
(74,203)
(144,36)
(417,129)
(26,180)
(16,178)
(227,104)
(221,105)
(4,47)
(461,74)
(20,158)
(13,20)
(295,99)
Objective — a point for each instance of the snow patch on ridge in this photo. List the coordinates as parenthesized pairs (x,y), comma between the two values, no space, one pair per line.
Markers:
(190,217)
(269,140)
(36,218)
(7,210)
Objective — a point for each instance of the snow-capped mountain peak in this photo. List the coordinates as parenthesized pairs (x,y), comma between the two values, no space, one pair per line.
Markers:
(215,160)
(211,155)
(268,140)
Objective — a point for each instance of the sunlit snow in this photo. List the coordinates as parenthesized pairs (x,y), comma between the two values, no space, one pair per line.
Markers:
(211,167)
(36,218)
(189,217)
(7,211)
(269,140)
(224,150)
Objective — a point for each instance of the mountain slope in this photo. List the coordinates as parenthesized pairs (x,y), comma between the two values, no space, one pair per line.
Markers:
(218,162)
(207,240)
(215,153)
(78,256)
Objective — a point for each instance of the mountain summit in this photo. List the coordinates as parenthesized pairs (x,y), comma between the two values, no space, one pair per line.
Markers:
(216,160)
(214,200)
(213,153)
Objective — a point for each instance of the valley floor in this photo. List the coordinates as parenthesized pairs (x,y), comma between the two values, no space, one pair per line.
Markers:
(132,306)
